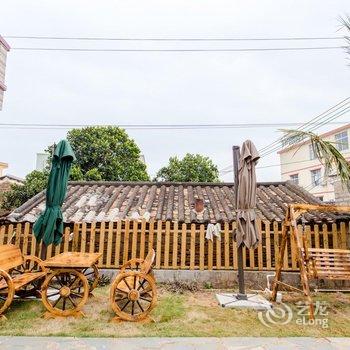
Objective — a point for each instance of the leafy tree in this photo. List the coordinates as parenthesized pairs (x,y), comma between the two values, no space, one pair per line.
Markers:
(106,153)
(34,182)
(191,168)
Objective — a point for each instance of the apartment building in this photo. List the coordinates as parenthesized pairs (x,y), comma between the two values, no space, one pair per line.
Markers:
(300,164)
(4,49)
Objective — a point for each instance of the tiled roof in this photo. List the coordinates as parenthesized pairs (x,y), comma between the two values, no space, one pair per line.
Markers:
(10,177)
(111,201)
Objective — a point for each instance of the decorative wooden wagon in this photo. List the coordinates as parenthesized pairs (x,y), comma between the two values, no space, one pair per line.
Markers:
(133,293)
(19,275)
(67,286)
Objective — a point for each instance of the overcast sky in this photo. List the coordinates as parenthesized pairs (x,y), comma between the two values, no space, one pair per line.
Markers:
(168,87)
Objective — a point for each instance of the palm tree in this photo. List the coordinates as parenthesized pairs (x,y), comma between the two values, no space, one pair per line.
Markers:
(326,152)
(345,23)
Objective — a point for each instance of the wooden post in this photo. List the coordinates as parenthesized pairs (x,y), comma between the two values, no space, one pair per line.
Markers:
(279,264)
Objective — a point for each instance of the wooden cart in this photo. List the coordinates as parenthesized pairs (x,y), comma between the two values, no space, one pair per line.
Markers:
(133,293)
(71,278)
(19,275)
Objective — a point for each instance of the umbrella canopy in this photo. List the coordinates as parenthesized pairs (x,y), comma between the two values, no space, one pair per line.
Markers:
(49,226)
(247,230)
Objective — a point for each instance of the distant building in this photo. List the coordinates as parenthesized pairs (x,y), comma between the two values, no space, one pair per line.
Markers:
(6,181)
(3,166)
(342,194)
(41,161)
(4,49)
(300,164)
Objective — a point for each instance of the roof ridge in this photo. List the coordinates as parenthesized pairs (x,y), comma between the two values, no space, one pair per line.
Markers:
(165,183)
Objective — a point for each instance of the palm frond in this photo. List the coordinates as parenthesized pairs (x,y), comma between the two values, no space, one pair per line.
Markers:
(325,151)
(345,24)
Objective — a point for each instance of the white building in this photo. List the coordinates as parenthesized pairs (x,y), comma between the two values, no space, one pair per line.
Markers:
(41,161)
(4,48)
(299,164)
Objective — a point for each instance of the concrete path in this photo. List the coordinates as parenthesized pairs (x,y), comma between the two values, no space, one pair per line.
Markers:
(63,343)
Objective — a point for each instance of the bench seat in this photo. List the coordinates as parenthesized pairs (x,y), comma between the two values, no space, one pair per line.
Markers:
(331,264)
(22,280)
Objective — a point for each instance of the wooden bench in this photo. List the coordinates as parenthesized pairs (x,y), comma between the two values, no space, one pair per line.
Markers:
(133,293)
(332,264)
(18,275)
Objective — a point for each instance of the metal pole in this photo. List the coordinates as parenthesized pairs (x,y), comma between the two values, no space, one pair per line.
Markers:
(241,289)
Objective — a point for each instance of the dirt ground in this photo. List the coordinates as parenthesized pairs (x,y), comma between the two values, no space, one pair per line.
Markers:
(189,314)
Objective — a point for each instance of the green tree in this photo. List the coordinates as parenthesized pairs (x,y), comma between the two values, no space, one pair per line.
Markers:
(34,182)
(106,153)
(191,168)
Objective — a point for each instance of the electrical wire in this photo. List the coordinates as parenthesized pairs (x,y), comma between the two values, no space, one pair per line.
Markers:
(169,39)
(156,126)
(181,50)
(312,121)
(323,123)
(313,124)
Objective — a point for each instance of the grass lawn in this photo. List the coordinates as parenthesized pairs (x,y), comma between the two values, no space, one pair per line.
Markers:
(188,314)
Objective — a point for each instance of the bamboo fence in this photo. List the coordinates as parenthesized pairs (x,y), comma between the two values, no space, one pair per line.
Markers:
(177,246)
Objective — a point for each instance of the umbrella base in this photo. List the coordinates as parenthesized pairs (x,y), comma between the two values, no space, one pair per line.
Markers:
(252,301)
(240,296)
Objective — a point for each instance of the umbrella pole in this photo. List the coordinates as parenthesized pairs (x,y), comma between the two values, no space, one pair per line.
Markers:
(43,253)
(241,295)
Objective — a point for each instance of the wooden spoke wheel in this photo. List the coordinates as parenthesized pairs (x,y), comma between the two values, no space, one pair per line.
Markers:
(133,295)
(7,291)
(30,264)
(65,292)
(92,275)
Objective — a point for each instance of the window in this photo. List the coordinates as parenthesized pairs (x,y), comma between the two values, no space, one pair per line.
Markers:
(320,198)
(312,152)
(316,177)
(341,141)
(294,178)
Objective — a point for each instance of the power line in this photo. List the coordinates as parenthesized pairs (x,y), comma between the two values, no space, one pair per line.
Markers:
(314,120)
(170,39)
(337,115)
(181,50)
(223,172)
(157,126)
(322,123)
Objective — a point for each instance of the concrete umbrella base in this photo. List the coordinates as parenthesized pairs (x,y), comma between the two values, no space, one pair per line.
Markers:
(253,301)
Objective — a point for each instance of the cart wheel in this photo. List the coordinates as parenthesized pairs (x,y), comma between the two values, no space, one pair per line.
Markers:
(30,264)
(65,292)
(92,275)
(7,291)
(133,295)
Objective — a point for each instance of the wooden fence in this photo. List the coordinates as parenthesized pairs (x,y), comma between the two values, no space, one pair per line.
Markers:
(177,246)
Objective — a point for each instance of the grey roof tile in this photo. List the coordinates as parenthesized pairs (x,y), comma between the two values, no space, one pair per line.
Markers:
(110,201)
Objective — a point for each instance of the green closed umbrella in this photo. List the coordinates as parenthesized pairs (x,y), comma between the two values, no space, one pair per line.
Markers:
(49,226)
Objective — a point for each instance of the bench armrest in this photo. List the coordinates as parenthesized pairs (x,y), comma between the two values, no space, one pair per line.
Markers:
(35,260)
(130,263)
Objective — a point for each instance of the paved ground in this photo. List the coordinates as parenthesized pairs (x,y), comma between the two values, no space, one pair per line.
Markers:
(62,343)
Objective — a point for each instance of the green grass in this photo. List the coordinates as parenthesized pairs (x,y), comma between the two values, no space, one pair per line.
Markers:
(188,314)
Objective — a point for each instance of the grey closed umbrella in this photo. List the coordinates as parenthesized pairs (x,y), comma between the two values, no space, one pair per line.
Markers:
(247,229)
